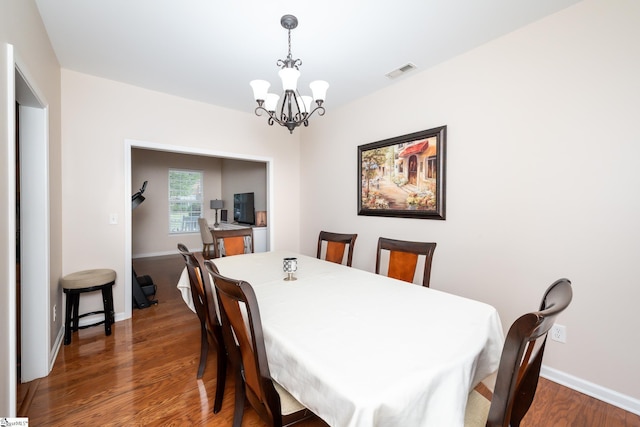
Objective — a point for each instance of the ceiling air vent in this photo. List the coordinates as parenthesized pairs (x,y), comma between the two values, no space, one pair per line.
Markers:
(400,71)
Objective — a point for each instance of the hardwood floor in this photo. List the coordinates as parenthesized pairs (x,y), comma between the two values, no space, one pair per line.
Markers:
(144,374)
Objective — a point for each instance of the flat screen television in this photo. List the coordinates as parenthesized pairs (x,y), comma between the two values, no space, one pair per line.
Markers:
(243,210)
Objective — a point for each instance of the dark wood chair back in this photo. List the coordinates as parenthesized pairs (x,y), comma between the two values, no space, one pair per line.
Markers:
(335,247)
(245,339)
(403,258)
(519,369)
(203,301)
(235,242)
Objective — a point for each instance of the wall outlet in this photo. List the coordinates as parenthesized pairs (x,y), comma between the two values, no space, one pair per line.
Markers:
(558,333)
(54,313)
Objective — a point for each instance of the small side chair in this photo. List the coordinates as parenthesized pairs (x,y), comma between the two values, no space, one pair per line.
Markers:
(335,246)
(403,258)
(81,282)
(203,300)
(207,239)
(519,370)
(245,341)
(232,242)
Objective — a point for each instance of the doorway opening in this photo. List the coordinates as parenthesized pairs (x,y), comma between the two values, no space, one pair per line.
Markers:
(32,231)
(131,145)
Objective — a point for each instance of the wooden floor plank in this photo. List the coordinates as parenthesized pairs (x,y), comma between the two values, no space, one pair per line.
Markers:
(144,374)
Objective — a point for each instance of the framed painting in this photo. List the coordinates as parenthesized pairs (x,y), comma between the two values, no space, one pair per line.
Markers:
(404,176)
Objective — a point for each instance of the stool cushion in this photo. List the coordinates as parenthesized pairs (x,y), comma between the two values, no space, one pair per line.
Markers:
(88,278)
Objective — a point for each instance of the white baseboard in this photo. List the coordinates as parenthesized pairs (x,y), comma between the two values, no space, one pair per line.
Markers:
(612,397)
(175,252)
(56,348)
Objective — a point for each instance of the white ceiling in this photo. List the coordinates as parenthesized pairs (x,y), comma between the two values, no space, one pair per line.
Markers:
(209,50)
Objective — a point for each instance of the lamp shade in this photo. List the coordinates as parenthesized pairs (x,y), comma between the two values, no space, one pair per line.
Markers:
(260,89)
(136,200)
(319,89)
(289,78)
(261,218)
(216,204)
(271,102)
(306,103)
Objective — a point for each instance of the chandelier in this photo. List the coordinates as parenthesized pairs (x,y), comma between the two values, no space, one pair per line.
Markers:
(295,109)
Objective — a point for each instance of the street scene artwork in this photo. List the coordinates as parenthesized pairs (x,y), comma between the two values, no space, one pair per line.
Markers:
(403,176)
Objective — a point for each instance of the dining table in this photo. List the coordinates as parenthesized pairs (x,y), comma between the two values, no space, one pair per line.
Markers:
(361,349)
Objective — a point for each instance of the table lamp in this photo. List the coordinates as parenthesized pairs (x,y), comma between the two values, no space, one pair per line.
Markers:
(216,204)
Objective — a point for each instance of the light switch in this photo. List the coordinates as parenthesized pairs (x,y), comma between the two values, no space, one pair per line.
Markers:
(113,218)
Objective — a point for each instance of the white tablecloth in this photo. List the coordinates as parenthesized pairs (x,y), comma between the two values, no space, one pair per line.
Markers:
(360,349)
(185,289)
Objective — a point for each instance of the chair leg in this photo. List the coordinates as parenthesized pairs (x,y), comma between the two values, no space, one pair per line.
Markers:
(207,251)
(112,310)
(107,303)
(238,410)
(222,371)
(75,320)
(67,319)
(204,349)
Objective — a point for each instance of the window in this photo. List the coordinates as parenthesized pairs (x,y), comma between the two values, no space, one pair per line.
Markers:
(185,200)
(432,167)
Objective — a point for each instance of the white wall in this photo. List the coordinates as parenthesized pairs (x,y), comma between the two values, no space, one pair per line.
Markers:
(100,114)
(24,39)
(542,179)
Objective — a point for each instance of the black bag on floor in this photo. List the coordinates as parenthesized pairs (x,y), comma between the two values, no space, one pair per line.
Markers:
(144,290)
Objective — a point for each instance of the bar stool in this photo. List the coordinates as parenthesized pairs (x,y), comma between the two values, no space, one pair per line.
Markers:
(80,282)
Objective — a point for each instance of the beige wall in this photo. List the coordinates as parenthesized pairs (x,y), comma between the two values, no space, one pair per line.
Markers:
(542,176)
(21,27)
(222,178)
(542,179)
(244,177)
(100,114)
(150,221)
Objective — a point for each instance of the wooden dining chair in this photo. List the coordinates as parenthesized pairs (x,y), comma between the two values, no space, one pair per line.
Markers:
(207,238)
(203,300)
(403,258)
(245,341)
(336,244)
(517,377)
(232,242)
